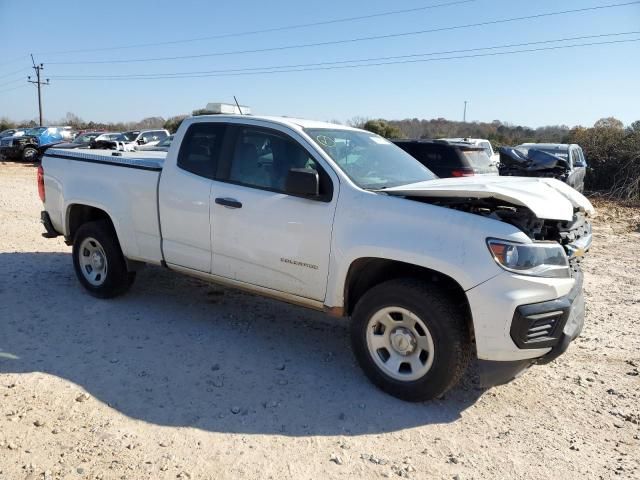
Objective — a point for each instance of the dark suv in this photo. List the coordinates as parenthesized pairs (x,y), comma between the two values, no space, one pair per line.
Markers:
(449,159)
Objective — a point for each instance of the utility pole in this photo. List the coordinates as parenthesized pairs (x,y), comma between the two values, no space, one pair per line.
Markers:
(38,83)
(464,115)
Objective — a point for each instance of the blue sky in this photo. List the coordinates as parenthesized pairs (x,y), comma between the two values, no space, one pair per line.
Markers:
(572,86)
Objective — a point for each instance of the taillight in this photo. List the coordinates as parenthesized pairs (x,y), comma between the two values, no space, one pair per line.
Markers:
(41,183)
(462,172)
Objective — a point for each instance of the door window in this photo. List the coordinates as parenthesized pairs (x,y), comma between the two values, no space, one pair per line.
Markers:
(487,148)
(262,158)
(200,148)
(574,159)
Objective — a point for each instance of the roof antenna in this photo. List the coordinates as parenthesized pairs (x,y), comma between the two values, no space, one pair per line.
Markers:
(238,105)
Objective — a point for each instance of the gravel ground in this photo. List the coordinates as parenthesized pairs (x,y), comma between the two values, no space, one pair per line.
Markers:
(182,379)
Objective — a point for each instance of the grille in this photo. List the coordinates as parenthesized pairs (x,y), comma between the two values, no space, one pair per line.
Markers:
(533,327)
(5,143)
(542,325)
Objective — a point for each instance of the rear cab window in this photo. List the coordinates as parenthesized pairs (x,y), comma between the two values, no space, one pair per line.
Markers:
(201,147)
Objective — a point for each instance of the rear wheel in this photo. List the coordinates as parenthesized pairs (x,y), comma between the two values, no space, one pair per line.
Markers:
(411,339)
(98,260)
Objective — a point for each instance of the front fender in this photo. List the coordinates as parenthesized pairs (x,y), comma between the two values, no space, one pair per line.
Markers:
(441,239)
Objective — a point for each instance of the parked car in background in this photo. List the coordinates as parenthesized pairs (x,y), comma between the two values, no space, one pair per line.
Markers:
(565,162)
(25,147)
(478,142)
(107,136)
(162,146)
(68,133)
(120,141)
(81,141)
(10,132)
(145,137)
(130,141)
(105,141)
(429,272)
(14,132)
(449,159)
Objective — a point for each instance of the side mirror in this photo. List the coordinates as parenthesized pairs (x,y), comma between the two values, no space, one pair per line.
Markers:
(304,182)
(141,141)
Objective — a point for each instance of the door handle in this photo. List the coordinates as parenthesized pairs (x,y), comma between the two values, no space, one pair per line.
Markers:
(229,202)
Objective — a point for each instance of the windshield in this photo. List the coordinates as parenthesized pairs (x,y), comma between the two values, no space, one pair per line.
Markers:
(477,157)
(166,142)
(35,131)
(552,151)
(86,138)
(369,160)
(129,136)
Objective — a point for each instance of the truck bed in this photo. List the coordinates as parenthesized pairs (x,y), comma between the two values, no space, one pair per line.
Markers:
(125,186)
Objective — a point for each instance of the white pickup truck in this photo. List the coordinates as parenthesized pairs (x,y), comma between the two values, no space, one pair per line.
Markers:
(430,272)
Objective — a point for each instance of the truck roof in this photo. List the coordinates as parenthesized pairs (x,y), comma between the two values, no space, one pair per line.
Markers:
(548,146)
(296,123)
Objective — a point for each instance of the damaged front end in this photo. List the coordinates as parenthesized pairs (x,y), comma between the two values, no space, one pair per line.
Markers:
(532,163)
(574,235)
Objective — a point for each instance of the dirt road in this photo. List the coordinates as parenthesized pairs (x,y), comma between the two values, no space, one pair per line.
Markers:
(182,379)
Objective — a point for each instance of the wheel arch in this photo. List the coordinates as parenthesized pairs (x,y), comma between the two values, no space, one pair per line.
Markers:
(78,214)
(367,272)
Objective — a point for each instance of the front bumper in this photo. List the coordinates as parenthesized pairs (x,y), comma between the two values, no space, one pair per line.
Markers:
(552,324)
(10,152)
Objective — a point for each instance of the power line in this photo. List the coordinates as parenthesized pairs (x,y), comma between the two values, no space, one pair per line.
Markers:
(352,40)
(336,62)
(14,72)
(267,30)
(339,67)
(14,88)
(14,60)
(12,81)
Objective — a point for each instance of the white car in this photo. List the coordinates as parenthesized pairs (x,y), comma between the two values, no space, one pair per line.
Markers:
(479,142)
(430,272)
(108,137)
(147,138)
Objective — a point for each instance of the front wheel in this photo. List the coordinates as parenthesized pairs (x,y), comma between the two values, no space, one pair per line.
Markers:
(29,154)
(98,260)
(411,339)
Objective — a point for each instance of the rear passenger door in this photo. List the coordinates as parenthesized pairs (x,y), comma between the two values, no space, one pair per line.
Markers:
(184,197)
(260,234)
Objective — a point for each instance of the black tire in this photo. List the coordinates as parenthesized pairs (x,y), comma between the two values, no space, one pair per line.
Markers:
(29,154)
(117,279)
(445,321)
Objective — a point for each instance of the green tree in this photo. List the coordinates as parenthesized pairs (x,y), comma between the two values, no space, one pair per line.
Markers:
(5,124)
(383,129)
(173,123)
(613,154)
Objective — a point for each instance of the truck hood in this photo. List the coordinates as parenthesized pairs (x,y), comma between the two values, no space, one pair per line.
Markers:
(547,198)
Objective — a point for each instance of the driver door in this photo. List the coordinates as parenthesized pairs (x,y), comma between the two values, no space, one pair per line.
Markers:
(261,235)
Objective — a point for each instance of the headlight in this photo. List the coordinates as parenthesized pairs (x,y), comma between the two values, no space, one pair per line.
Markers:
(540,259)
